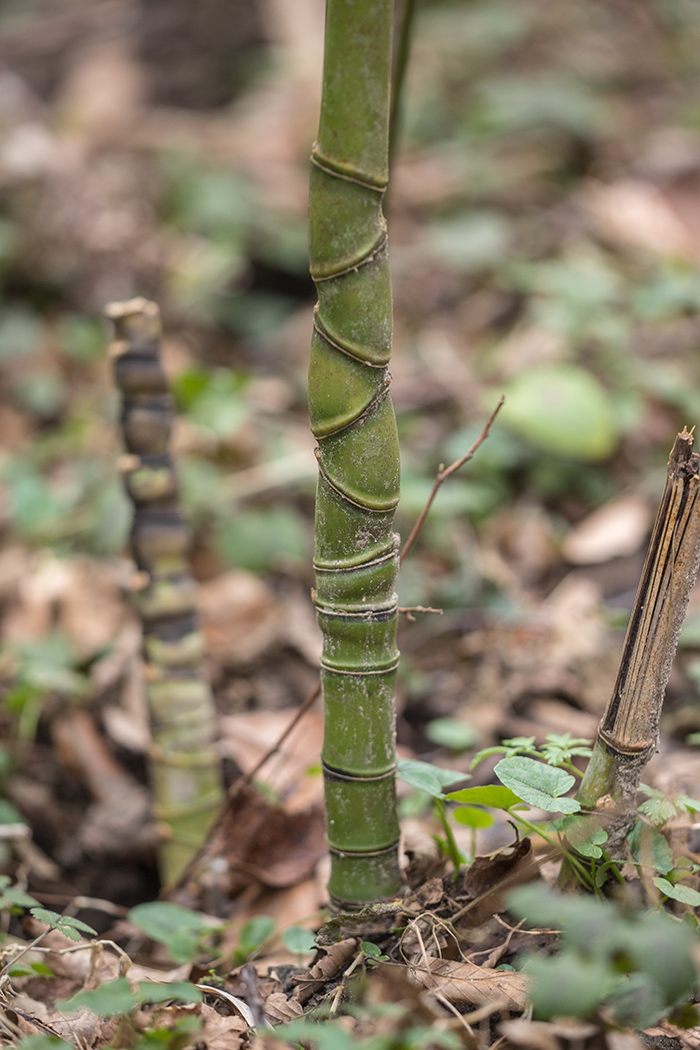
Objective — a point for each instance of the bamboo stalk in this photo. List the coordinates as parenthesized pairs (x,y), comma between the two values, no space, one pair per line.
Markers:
(352,418)
(185,765)
(628,733)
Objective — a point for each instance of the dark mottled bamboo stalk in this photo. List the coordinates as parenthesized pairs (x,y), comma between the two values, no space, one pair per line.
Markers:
(185,765)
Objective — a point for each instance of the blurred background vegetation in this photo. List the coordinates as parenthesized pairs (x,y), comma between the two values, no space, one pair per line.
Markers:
(545,232)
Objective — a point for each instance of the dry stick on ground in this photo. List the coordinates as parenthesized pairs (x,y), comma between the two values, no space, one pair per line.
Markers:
(442,476)
(628,733)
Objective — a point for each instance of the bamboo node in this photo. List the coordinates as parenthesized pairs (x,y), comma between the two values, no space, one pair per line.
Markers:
(139,581)
(128,463)
(116,310)
(118,348)
(338,170)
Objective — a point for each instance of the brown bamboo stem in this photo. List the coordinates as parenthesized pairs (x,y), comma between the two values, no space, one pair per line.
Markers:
(628,733)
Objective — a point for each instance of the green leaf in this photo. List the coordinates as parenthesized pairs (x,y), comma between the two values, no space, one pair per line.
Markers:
(517,745)
(107,1000)
(43,1042)
(473,817)
(21,334)
(178,928)
(255,932)
(15,898)
(661,946)
(658,810)
(470,242)
(635,1000)
(560,748)
(373,951)
(649,848)
(452,733)
(587,923)
(677,891)
(566,985)
(9,814)
(426,777)
(687,804)
(539,785)
(494,795)
(298,940)
(257,539)
(562,409)
(583,833)
(65,924)
(326,1036)
(162,992)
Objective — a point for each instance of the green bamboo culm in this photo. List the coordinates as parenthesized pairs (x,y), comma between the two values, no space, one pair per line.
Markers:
(352,418)
(185,766)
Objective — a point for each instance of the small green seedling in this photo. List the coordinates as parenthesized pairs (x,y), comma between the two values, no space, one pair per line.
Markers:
(559,749)
(639,967)
(373,952)
(531,777)
(65,924)
(432,780)
(299,941)
(253,935)
(118,997)
(179,929)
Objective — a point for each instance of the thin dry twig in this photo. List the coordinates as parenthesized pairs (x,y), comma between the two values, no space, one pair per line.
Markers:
(247,778)
(408,611)
(444,473)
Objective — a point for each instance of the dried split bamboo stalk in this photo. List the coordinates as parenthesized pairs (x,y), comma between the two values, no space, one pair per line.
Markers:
(628,733)
(185,765)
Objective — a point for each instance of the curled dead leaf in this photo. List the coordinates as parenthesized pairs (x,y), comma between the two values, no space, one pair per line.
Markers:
(279,1009)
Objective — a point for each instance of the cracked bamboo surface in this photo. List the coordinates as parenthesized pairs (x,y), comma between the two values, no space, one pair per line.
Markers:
(185,765)
(352,418)
(628,733)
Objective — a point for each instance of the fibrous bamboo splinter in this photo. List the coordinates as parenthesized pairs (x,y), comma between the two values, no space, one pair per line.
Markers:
(628,733)
(185,766)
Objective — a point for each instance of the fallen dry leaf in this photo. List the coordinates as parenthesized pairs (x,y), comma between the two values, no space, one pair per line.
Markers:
(333,961)
(633,211)
(220,1032)
(249,735)
(279,1009)
(264,843)
(240,618)
(548,1035)
(80,596)
(615,530)
(463,982)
